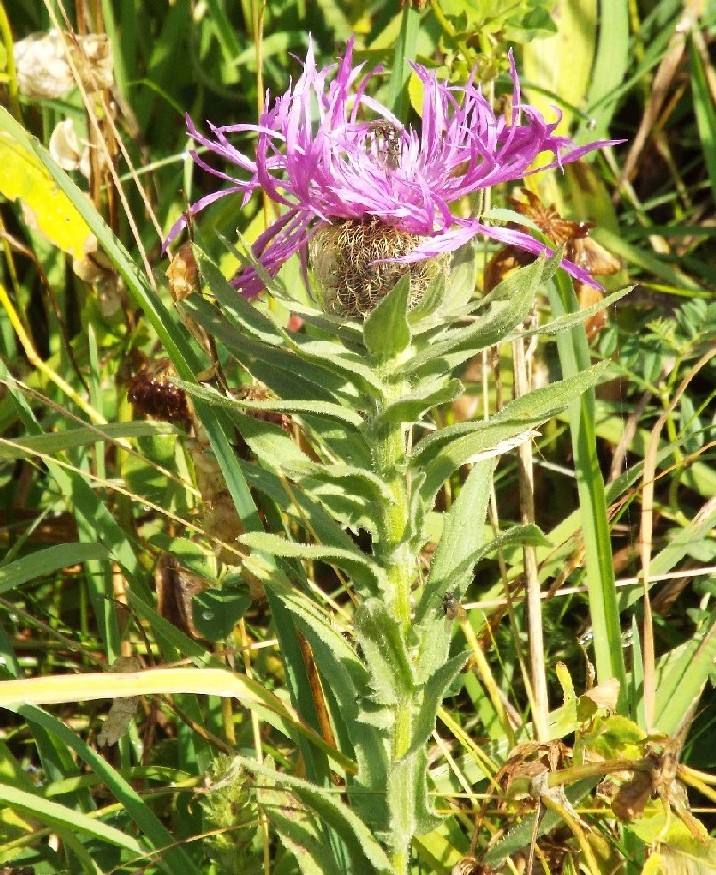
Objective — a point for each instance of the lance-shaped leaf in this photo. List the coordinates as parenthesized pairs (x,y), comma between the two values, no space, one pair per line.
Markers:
(409,798)
(299,504)
(279,369)
(681,675)
(364,852)
(443,452)
(427,313)
(305,834)
(235,308)
(53,443)
(367,484)
(344,415)
(349,365)
(525,832)
(386,331)
(431,699)
(346,685)
(47,561)
(333,355)
(385,653)
(461,537)
(457,577)
(364,573)
(412,407)
(348,493)
(570,320)
(498,313)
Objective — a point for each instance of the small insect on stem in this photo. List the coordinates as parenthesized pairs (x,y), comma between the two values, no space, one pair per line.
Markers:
(452,608)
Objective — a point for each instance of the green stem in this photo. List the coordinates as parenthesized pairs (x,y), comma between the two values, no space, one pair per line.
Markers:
(395,555)
(393,551)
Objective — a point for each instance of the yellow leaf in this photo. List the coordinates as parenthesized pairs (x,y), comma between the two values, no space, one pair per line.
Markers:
(689,857)
(47,208)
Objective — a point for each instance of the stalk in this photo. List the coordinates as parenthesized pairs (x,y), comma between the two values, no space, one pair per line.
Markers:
(394,554)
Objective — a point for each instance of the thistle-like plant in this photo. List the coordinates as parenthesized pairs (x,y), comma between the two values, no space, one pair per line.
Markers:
(392,320)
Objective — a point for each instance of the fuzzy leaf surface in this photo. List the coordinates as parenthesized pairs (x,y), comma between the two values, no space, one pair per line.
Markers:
(280,369)
(386,331)
(497,314)
(362,570)
(384,652)
(412,408)
(364,851)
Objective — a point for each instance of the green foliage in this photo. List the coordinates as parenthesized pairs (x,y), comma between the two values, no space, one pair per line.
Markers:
(340,523)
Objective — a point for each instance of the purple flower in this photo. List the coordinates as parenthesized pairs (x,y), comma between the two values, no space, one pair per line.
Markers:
(328,152)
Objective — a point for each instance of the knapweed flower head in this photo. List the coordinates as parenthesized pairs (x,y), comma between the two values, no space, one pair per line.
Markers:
(331,155)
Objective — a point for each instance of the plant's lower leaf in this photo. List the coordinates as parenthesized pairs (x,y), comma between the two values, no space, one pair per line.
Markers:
(681,675)
(364,852)
(384,652)
(431,699)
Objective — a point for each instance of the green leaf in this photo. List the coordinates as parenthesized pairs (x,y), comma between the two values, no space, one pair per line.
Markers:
(47,561)
(579,316)
(412,407)
(687,855)
(362,570)
(574,357)
(384,651)
(495,316)
(681,675)
(463,276)
(386,331)
(461,536)
(345,678)
(59,441)
(704,108)
(216,611)
(558,68)
(52,814)
(341,361)
(431,699)
(609,71)
(279,369)
(299,829)
(172,857)
(364,851)
(462,572)
(426,313)
(349,494)
(342,414)
(445,451)
(299,504)
(234,306)
(520,836)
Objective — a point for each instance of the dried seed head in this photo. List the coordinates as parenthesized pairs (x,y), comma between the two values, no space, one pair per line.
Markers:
(67,149)
(183,273)
(151,394)
(43,68)
(347,267)
(176,587)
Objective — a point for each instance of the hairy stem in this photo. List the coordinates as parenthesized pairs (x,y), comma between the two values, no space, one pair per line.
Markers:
(395,555)
(393,551)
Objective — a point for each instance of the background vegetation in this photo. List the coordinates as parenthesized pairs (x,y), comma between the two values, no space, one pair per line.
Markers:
(118,529)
